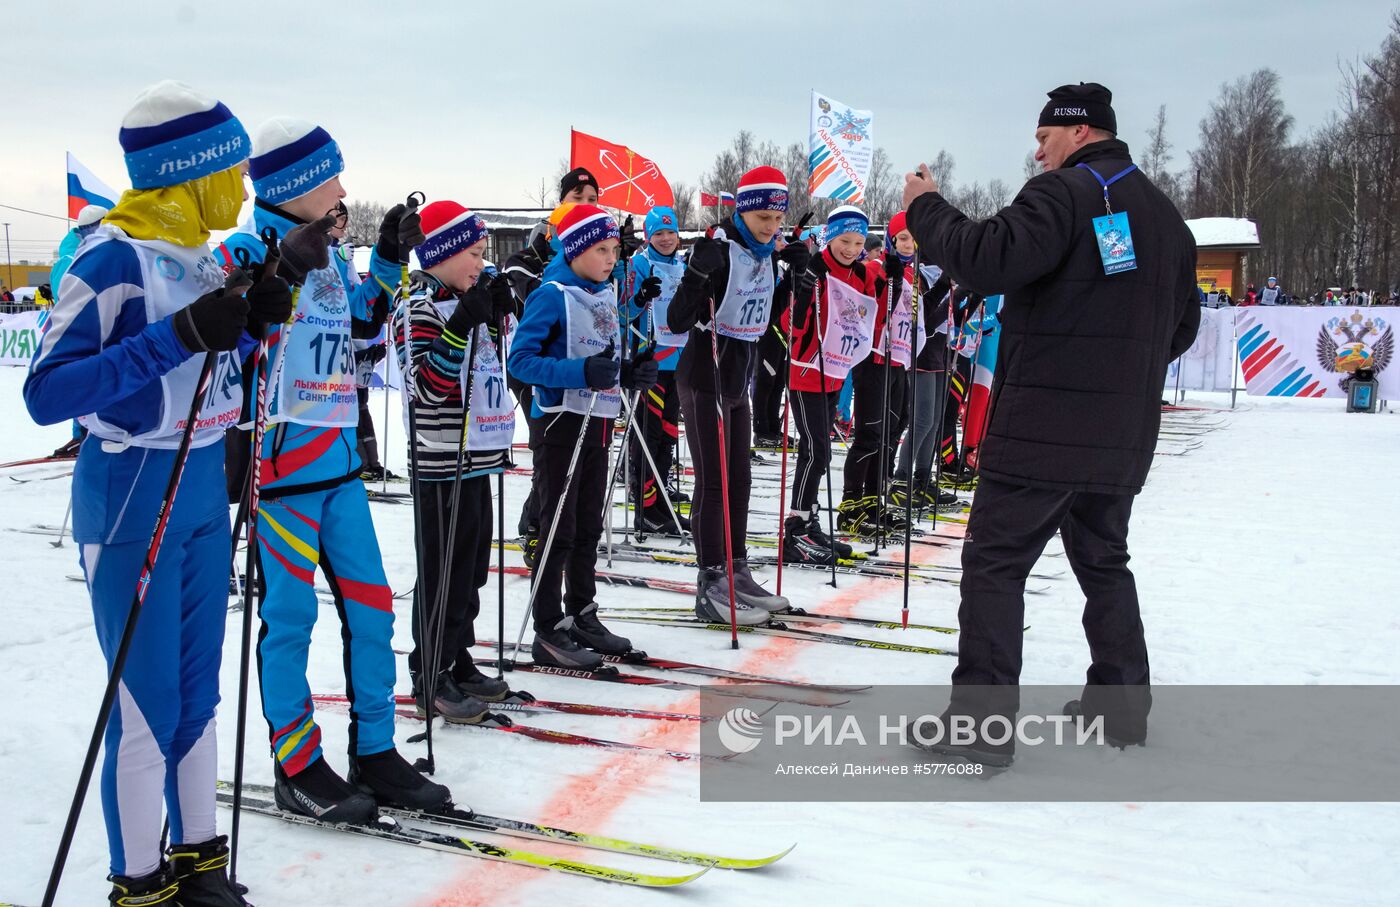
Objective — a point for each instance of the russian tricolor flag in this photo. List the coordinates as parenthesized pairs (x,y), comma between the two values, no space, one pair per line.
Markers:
(86,189)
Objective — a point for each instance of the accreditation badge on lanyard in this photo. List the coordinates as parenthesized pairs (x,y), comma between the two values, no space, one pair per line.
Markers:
(1111,231)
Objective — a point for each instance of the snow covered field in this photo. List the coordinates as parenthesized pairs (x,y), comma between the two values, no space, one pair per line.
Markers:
(1264,556)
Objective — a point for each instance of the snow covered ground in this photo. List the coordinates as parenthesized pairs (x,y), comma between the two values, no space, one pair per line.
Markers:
(1264,556)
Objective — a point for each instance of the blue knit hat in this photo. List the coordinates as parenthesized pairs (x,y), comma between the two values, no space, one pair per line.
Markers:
(660,218)
(846,219)
(450,228)
(290,158)
(174,134)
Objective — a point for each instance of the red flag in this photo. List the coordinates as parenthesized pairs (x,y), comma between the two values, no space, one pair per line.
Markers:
(709,201)
(626,180)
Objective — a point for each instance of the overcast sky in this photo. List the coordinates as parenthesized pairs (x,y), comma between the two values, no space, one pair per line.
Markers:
(474,100)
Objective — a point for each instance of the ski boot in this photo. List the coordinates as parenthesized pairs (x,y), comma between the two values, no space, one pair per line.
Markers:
(747,589)
(202,871)
(530,547)
(712,600)
(558,648)
(450,703)
(390,780)
(900,491)
(852,513)
(159,887)
(817,531)
(656,520)
(318,792)
(588,631)
(767,441)
(802,546)
(677,496)
(472,682)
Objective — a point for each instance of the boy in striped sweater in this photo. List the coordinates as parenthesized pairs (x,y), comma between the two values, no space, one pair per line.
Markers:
(454,315)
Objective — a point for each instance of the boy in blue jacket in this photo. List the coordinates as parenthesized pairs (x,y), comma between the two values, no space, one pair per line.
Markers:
(567,347)
(314,510)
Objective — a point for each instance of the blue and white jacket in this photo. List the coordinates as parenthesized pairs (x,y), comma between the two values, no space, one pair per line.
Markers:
(296,457)
(110,357)
(640,316)
(539,350)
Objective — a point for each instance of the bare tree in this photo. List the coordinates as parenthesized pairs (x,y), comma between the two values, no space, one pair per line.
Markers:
(544,195)
(1243,142)
(1030,167)
(684,203)
(362,226)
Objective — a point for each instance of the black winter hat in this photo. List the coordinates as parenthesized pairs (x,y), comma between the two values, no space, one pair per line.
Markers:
(1087,102)
(575,178)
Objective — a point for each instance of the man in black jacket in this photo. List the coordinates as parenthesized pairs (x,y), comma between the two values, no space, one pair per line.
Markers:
(1090,321)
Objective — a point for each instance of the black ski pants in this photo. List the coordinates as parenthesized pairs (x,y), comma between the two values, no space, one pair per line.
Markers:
(1007,530)
(468,559)
(702,434)
(879,421)
(814,413)
(573,550)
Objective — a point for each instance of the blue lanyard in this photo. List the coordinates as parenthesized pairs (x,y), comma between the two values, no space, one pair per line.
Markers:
(1109,182)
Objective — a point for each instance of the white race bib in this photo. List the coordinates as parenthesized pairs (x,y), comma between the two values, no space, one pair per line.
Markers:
(173,277)
(899,325)
(670,275)
(849,318)
(590,319)
(313,378)
(748,298)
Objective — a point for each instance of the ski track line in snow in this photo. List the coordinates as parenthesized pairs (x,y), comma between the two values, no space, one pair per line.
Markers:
(581,803)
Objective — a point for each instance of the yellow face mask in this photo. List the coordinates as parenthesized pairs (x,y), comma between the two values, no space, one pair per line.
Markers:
(182,214)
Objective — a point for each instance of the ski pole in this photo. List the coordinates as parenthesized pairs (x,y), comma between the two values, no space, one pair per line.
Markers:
(782,480)
(63,529)
(786,366)
(828,417)
(109,694)
(724,479)
(402,340)
(650,461)
(882,496)
(253,498)
(554,525)
(437,618)
(501,526)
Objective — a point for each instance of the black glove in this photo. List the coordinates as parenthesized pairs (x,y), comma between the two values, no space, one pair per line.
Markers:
(707,257)
(894,268)
(400,232)
(269,302)
(630,242)
(214,321)
(796,256)
(473,308)
(601,371)
(502,298)
(641,373)
(372,355)
(649,290)
(818,266)
(306,248)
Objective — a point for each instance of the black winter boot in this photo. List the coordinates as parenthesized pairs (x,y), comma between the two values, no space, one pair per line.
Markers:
(202,870)
(389,778)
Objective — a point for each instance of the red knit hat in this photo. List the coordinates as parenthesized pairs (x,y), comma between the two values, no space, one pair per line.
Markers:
(762,189)
(583,227)
(450,228)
